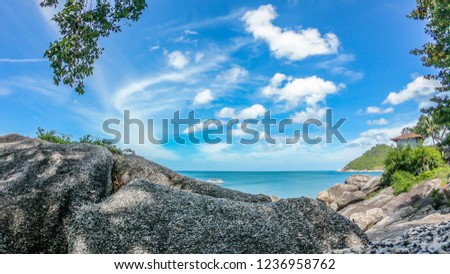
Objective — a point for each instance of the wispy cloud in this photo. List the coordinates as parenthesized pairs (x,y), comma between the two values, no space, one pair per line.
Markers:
(371,137)
(4,91)
(378,122)
(13,60)
(337,66)
(231,17)
(58,95)
(378,110)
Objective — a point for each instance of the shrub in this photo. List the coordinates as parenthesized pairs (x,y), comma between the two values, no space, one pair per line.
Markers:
(415,161)
(402,181)
(53,137)
(437,198)
(58,138)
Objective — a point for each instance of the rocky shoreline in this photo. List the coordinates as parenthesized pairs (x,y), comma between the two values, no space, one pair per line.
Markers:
(81,198)
(405,223)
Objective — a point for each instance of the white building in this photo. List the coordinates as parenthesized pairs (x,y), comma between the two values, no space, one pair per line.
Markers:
(411,139)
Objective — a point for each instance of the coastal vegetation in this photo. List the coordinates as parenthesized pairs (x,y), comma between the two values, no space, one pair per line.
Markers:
(408,166)
(436,54)
(61,138)
(372,159)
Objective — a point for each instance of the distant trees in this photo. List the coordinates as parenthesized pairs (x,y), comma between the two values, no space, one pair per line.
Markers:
(428,128)
(81,23)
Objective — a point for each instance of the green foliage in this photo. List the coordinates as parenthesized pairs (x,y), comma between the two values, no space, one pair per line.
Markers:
(53,137)
(436,54)
(438,199)
(89,139)
(81,24)
(58,138)
(402,181)
(372,159)
(412,160)
(442,173)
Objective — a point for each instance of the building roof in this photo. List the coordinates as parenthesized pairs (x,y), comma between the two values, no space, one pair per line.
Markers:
(407,136)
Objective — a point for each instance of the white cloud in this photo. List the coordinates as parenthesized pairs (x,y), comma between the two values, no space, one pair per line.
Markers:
(154,48)
(252,112)
(233,75)
(309,113)
(185,39)
(214,149)
(310,90)
(193,128)
(227,112)
(198,57)
(190,32)
(293,45)
(419,90)
(9,60)
(372,137)
(203,98)
(378,122)
(378,110)
(177,60)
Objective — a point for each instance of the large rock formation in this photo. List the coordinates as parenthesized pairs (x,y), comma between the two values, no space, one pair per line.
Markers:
(342,195)
(42,185)
(144,217)
(61,198)
(386,215)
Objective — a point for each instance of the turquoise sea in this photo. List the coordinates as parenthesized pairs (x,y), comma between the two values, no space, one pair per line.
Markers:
(282,184)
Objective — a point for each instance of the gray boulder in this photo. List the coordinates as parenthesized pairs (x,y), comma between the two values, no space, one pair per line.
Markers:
(41,186)
(348,198)
(417,197)
(335,192)
(377,201)
(358,180)
(367,219)
(372,185)
(143,217)
(130,167)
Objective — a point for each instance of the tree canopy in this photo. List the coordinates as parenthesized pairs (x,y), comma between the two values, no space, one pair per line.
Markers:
(81,24)
(436,54)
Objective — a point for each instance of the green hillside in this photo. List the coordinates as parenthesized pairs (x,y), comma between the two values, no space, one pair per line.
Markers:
(372,159)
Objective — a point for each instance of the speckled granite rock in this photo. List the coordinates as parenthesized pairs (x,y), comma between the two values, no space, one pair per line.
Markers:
(428,239)
(143,217)
(41,185)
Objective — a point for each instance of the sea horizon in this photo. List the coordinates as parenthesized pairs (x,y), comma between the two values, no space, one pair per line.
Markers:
(282,184)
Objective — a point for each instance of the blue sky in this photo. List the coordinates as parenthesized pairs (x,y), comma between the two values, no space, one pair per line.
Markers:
(228,59)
